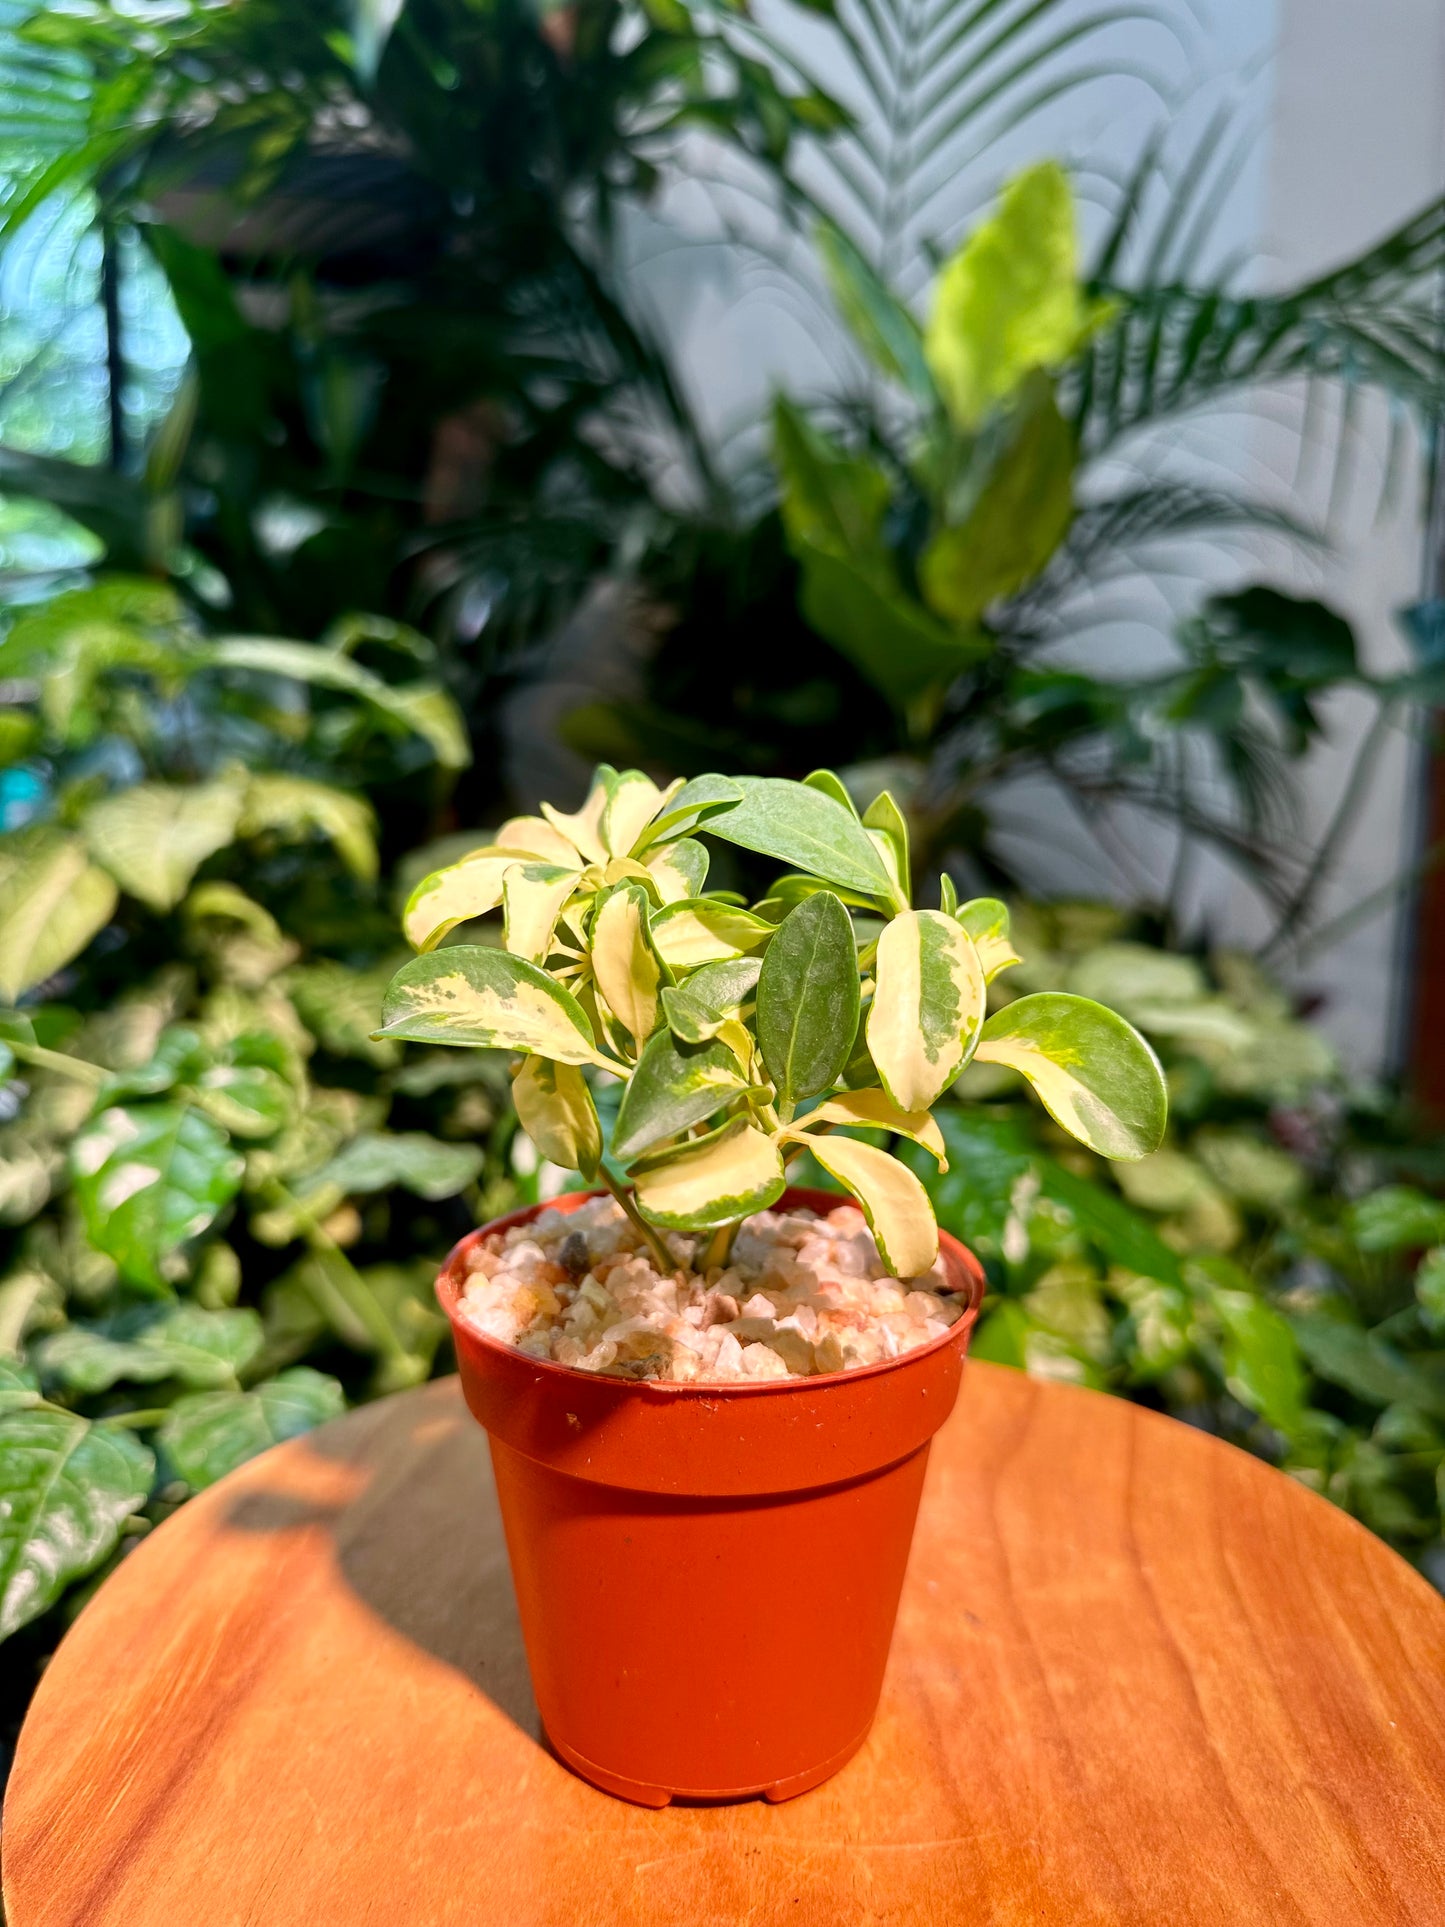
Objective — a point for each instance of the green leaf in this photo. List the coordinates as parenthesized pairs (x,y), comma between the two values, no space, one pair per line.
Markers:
(807,998)
(473,995)
(1003,1336)
(697,1010)
(150,1178)
(53,900)
(1093,1072)
(19,1387)
(150,1343)
(1261,1359)
(832,785)
(1430,1288)
(694,805)
(1020,517)
(295,806)
(66,1489)
(888,828)
(893,1201)
(704,930)
(1397,1218)
(556,1109)
(674,1086)
(714,1180)
(246,1099)
(419,708)
(1348,1356)
(209,1434)
(1009,300)
(987,921)
(154,838)
(927,1006)
(377,1160)
(806,829)
(883,328)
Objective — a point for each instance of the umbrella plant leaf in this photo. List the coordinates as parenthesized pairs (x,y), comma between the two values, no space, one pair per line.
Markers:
(807,999)
(470,994)
(149,1179)
(209,1434)
(928,1006)
(674,1087)
(53,900)
(631,804)
(624,962)
(66,1488)
(697,1010)
(831,785)
(892,1200)
(696,803)
(703,930)
(888,827)
(556,1110)
(583,829)
(1092,1071)
(807,829)
(679,869)
(456,894)
(534,837)
(987,921)
(715,1180)
(532,898)
(874,1111)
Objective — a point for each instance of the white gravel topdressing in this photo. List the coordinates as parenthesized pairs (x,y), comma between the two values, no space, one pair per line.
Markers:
(801,1295)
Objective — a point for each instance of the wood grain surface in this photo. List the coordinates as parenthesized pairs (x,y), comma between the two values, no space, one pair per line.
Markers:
(1138,1677)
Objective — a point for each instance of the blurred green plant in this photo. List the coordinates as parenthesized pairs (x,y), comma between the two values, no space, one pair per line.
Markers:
(222,1202)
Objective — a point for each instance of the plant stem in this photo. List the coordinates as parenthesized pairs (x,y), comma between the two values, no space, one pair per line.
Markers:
(136,1421)
(79,1068)
(666,1263)
(720,1245)
(343,1276)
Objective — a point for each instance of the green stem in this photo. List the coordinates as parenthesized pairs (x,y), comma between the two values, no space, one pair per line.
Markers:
(53,1060)
(137,1421)
(349,1284)
(720,1245)
(663,1258)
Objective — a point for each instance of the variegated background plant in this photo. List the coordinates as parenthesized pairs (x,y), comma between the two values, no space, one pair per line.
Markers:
(743,1035)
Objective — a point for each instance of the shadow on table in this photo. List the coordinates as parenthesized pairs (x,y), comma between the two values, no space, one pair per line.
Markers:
(420,1539)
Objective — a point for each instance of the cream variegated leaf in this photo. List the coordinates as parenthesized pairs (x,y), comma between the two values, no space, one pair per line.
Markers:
(713,1181)
(469,888)
(534,837)
(532,898)
(928,1006)
(679,869)
(892,1200)
(873,1111)
(1092,1071)
(986,920)
(624,962)
(583,829)
(473,994)
(700,930)
(634,800)
(555,1109)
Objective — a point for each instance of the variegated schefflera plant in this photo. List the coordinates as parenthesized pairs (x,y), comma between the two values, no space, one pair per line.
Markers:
(744,1034)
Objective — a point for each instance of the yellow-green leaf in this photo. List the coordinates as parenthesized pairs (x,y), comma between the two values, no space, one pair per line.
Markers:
(624,962)
(986,920)
(873,1111)
(700,930)
(532,836)
(532,898)
(472,994)
(928,1006)
(888,829)
(154,838)
(633,802)
(458,893)
(53,900)
(720,1178)
(893,1201)
(679,869)
(1092,1071)
(555,1108)
(293,805)
(583,829)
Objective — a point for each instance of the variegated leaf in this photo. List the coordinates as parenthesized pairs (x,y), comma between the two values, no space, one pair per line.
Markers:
(472,994)
(716,1180)
(624,962)
(893,1201)
(632,803)
(673,1088)
(583,829)
(1092,1071)
(702,930)
(534,837)
(986,921)
(697,1009)
(873,1111)
(555,1109)
(928,1006)
(463,890)
(532,897)
(680,869)
(697,802)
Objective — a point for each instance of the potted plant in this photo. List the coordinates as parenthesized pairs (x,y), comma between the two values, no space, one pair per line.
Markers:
(710,1397)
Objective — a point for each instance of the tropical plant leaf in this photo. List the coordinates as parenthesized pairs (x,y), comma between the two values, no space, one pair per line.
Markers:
(712,1181)
(1092,1071)
(873,1111)
(209,1434)
(66,1488)
(986,920)
(674,1087)
(892,1200)
(377,1160)
(801,826)
(154,838)
(198,1348)
(463,890)
(703,930)
(420,709)
(927,1006)
(807,998)
(624,962)
(472,995)
(53,900)
(556,1109)
(712,994)
(149,1179)
(880,324)
(295,806)
(679,869)
(532,898)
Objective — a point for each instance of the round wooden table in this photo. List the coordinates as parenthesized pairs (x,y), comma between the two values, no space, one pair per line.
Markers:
(1137,1677)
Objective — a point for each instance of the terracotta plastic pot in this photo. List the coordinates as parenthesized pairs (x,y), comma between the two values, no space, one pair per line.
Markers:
(708,1575)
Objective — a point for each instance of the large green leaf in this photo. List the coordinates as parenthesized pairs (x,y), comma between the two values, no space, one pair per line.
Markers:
(1020,516)
(473,995)
(53,900)
(1397,1217)
(927,1006)
(807,998)
(149,1179)
(673,1087)
(66,1489)
(199,1348)
(1091,1070)
(209,1434)
(802,827)
(1262,1365)
(1009,300)
(154,838)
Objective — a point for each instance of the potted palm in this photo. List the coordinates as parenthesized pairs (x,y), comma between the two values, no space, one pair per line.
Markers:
(710,1395)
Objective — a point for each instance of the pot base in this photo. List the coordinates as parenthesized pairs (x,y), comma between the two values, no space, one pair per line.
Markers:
(641,1795)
